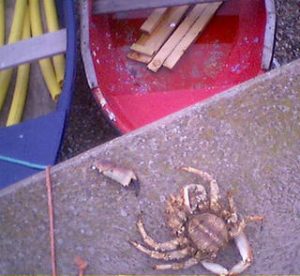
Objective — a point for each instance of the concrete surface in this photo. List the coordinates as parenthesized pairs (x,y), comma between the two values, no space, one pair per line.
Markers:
(248,138)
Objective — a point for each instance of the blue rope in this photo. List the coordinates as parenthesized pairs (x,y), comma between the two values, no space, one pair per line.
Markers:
(22,163)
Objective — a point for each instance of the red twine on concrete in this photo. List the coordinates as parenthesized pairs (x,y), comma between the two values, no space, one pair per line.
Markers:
(51,221)
(81,265)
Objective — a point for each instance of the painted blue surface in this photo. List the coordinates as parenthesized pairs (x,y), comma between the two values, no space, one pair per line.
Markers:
(37,141)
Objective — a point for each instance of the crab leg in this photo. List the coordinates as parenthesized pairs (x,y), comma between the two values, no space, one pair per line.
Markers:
(231,202)
(214,188)
(234,217)
(254,218)
(177,266)
(164,246)
(233,210)
(214,268)
(167,256)
(245,250)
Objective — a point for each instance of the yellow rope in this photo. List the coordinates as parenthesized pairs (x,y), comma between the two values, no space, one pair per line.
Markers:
(15,35)
(2,23)
(45,64)
(52,23)
(20,92)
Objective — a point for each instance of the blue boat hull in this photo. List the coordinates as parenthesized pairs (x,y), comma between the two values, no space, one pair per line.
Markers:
(28,147)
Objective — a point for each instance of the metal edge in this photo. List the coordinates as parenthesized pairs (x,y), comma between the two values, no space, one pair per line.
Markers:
(88,61)
(269,38)
(85,45)
(111,6)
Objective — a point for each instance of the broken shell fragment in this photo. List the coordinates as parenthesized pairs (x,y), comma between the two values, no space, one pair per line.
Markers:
(119,174)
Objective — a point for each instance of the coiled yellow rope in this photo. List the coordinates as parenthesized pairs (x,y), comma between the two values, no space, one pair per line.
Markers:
(20,92)
(15,35)
(52,23)
(45,64)
(2,23)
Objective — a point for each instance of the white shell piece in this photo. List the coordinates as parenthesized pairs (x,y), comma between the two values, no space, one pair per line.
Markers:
(214,268)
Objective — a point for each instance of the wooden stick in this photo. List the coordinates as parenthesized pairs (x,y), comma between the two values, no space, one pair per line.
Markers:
(51,221)
(141,41)
(191,35)
(153,20)
(176,37)
(139,57)
(142,49)
(149,44)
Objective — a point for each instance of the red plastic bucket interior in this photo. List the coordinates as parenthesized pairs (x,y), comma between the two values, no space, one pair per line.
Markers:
(228,52)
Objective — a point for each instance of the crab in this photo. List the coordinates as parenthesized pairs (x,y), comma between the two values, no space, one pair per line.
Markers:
(202,227)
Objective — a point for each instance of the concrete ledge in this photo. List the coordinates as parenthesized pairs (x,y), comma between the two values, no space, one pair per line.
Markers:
(248,138)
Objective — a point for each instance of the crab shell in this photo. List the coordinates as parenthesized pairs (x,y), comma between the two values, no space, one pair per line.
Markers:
(208,233)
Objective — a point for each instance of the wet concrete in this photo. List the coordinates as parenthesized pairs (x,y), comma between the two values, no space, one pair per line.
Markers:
(248,138)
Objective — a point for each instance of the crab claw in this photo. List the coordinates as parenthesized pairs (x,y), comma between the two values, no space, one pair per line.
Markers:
(122,175)
(214,268)
(194,196)
(246,253)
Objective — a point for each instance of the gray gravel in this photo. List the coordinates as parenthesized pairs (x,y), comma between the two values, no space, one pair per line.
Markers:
(87,126)
(287,47)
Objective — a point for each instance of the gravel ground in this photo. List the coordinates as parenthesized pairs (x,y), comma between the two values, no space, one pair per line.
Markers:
(88,128)
(287,46)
